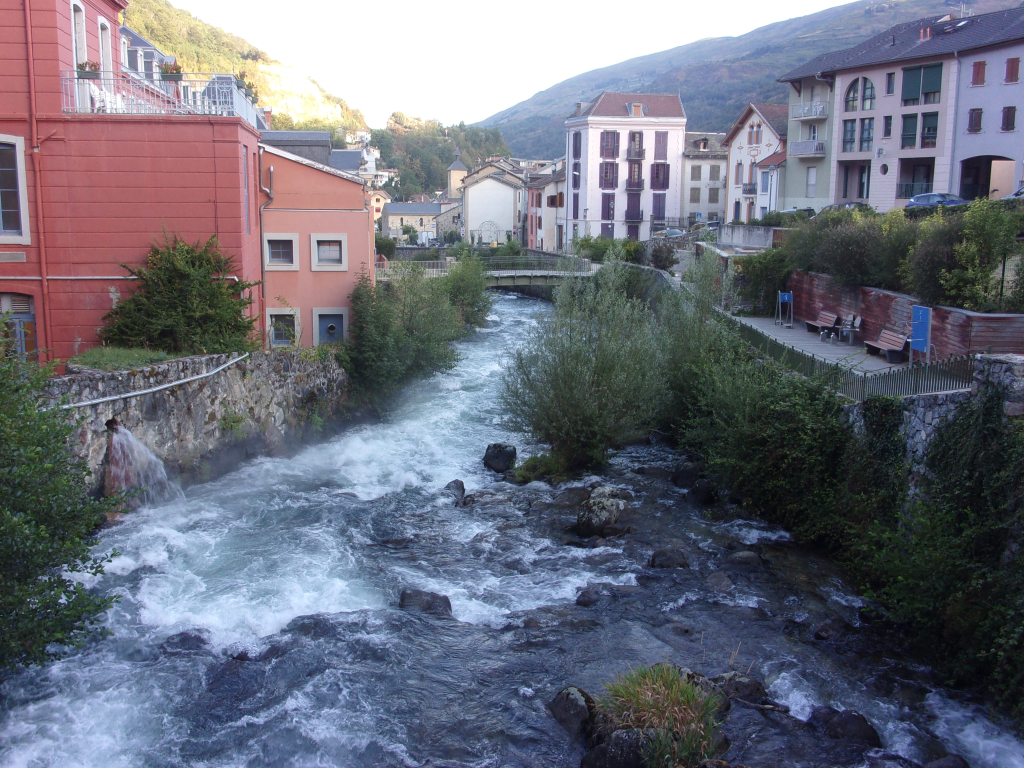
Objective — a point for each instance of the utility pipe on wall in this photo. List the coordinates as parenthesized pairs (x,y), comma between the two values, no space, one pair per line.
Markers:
(263,263)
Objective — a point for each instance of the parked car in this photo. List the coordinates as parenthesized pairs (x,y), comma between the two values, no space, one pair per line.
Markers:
(669,233)
(845,206)
(1019,194)
(935,198)
(808,211)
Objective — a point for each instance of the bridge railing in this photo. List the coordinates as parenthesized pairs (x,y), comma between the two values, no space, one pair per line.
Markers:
(526,264)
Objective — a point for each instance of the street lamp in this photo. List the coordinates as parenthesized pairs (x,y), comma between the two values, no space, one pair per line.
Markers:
(771,177)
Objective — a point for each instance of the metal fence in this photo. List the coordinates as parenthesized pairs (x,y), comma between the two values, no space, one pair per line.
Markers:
(132,93)
(953,373)
(528,264)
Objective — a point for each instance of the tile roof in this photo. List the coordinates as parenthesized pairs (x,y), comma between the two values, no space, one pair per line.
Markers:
(715,143)
(413,209)
(346,159)
(777,116)
(458,165)
(777,158)
(903,42)
(310,163)
(617,105)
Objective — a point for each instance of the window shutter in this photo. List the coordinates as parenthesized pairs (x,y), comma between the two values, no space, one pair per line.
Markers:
(615,144)
(1012,70)
(931,78)
(661,145)
(615,175)
(561,199)
(575,205)
(911,84)
(978,75)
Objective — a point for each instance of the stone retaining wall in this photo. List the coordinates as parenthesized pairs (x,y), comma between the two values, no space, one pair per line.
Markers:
(260,405)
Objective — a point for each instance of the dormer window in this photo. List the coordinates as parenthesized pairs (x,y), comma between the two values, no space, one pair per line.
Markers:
(636,109)
(704,144)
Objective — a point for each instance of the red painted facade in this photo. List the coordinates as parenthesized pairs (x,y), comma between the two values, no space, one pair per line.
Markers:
(954,331)
(112,184)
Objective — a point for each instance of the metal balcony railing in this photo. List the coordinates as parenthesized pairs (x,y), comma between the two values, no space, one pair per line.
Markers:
(806,148)
(634,185)
(750,189)
(633,215)
(905,191)
(808,110)
(634,153)
(132,93)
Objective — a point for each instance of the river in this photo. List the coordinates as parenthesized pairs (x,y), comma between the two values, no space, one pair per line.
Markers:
(258,621)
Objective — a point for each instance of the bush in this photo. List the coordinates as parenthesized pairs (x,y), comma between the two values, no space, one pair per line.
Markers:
(183,304)
(661,698)
(934,254)
(760,277)
(384,245)
(467,290)
(588,377)
(780,219)
(990,231)
(48,524)
(663,255)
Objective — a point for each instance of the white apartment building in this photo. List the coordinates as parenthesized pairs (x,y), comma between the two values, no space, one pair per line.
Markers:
(705,171)
(624,164)
(759,133)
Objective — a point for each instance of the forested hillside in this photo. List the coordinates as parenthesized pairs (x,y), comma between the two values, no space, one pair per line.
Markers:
(202,47)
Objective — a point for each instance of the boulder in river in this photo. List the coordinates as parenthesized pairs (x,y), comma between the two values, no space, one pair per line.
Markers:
(852,726)
(596,514)
(719,581)
(744,559)
(625,748)
(659,473)
(500,457)
(425,602)
(685,475)
(571,497)
(702,492)
(457,489)
(739,686)
(572,707)
(669,558)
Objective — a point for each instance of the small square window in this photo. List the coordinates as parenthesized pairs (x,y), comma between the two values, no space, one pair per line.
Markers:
(282,330)
(328,251)
(281,251)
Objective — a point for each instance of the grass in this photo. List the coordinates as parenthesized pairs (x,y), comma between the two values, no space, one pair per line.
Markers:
(659,697)
(543,466)
(119,358)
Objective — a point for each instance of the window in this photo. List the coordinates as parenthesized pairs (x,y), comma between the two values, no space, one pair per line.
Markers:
(78,33)
(12,191)
(846,181)
(974,121)
(560,202)
(609,175)
(1013,70)
(929,129)
(575,175)
(1009,119)
(867,99)
(978,73)
(887,126)
(739,173)
(609,144)
(736,211)
(608,207)
(849,135)
(106,51)
(608,231)
(713,196)
(575,205)
(661,145)
(694,194)
(764,211)
(577,145)
(851,95)
(908,135)
(695,172)
(812,132)
(659,205)
(659,175)
(931,83)
(864,182)
(911,95)
(811,187)
(867,133)
(636,176)
(328,251)
(281,251)
(890,83)
(765,181)
(636,144)
(282,329)
(715,172)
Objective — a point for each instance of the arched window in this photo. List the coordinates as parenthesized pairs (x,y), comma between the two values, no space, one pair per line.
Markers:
(106,52)
(868,97)
(78,34)
(851,95)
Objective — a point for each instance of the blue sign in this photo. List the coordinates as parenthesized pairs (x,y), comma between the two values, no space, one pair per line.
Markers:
(786,298)
(920,328)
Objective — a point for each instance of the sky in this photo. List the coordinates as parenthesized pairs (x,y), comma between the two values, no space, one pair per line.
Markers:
(464,60)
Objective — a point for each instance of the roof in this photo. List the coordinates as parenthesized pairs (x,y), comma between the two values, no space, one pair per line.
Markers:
(776,158)
(776,115)
(413,209)
(945,36)
(310,163)
(135,40)
(617,105)
(716,143)
(284,137)
(347,159)
(458,165)
(508,179)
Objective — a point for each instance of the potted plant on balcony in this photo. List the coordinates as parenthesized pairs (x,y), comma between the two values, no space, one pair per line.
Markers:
(171,72)
(240,81)
(88,70)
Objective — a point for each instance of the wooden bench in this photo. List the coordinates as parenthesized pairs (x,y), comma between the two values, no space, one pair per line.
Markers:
(826,321)
(889,342)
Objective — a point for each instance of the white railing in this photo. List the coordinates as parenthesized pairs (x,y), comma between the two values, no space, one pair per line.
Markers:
(134,93)
(808,109)
(805,148)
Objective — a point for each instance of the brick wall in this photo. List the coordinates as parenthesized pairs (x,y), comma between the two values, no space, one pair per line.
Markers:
(954,331)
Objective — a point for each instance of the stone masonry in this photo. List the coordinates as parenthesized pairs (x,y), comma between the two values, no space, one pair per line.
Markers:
(201,429)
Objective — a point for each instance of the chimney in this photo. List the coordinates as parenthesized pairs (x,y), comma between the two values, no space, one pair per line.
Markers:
(637,109)
(579,108)
(926,33)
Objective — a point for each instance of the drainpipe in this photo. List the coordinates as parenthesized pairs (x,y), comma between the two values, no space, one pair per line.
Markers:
(37,173)
(956,115)
(263,264)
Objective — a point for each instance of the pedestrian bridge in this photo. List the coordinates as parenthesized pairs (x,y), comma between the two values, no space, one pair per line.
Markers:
(502,272)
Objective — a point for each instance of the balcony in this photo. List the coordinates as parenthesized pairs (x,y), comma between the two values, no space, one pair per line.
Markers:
(750,189)
(807,149)
(811,110)
(634,185)
(905,191)
(634,153)
(130,93)
(634,215)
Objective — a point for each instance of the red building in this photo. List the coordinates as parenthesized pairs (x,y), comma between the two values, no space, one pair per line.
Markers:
(96,167)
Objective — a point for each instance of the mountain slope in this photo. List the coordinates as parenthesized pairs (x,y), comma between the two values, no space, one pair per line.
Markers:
(202,47)
(715,77)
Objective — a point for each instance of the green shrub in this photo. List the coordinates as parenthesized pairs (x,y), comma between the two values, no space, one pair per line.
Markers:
(48,524)
(384,245)
(990,231)
(587,377)
(760,277)
(467,290)
(184,303)
(663,255)
(543,466)
(780,219)
(934,254)
(682,714)
(119,358)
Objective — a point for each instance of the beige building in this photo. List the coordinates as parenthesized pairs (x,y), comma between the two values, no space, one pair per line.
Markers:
(378,199)
(456,176)
(760,132)
(705,167)
(421,216)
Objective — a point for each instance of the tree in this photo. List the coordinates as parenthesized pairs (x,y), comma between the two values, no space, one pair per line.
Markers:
(48,524)
(385,245)
(409,231)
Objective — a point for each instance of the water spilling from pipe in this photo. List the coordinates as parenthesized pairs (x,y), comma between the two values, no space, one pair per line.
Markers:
(133,468)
